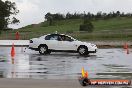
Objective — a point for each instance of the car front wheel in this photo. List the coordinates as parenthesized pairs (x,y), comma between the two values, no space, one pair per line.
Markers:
(83,50)
(43,49)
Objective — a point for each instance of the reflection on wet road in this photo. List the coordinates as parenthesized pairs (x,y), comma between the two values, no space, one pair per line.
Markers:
(106,63)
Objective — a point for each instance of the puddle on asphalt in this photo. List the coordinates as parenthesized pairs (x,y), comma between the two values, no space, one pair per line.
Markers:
(106,63)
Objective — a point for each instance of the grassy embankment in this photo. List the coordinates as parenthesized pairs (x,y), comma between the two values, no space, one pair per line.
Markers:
(111,29)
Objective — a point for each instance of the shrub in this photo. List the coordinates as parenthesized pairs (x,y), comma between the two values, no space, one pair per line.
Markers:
(87,26)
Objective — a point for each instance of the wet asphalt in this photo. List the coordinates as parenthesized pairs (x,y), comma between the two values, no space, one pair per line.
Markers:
(112,63)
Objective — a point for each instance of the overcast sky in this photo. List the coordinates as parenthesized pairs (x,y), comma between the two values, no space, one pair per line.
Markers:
(33,11)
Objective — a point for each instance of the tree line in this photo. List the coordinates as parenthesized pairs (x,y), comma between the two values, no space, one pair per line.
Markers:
(99,15)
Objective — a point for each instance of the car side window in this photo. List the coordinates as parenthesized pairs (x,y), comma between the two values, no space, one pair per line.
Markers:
(66,38)
(62,38)
(51,37)
(58,37)
(47,37)
(55,37)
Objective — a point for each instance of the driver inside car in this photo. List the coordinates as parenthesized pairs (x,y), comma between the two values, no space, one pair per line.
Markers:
(62,38)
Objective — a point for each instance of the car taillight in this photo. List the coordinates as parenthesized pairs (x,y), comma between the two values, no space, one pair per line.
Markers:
(31,41)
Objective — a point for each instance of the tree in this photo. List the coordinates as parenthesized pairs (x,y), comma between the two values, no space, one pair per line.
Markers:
(118,13)
(58,16)
(49,18)
(7,12)
(89,16)
(68,15)
(98,15)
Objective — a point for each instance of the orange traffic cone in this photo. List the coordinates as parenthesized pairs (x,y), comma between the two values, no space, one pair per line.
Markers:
(13,51)
(125,46)
(83,72)
(17,35)
(86,74)
(127,51)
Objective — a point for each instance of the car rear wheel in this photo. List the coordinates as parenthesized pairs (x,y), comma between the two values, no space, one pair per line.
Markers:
(49,52)
(83,50)
(43,49)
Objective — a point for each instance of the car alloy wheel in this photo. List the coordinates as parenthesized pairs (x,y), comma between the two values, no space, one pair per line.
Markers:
(43,49)
(83,50)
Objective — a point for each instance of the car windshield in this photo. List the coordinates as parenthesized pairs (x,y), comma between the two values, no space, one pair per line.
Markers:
(73,39)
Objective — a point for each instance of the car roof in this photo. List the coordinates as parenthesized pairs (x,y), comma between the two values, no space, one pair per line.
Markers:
(58,34)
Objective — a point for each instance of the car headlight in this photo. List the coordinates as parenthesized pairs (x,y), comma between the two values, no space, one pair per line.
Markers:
(31,41)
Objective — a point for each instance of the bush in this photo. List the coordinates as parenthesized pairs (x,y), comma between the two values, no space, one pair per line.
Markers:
(87,26)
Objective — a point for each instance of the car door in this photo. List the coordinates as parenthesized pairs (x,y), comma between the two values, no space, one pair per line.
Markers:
(52,41)
(67,43)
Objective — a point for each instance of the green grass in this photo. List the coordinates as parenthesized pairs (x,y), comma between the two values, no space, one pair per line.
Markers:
(111,29)
(60,26)
(73,25)
(113,24)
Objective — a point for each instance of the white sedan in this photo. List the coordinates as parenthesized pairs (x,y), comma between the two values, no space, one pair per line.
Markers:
(60,43)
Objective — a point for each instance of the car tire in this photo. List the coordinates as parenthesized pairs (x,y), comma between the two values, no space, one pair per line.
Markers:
(83,50)
(49,52)
(43,49)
